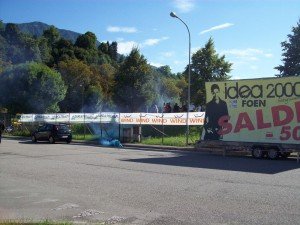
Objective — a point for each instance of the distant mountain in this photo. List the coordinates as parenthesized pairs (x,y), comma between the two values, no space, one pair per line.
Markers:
(37,29)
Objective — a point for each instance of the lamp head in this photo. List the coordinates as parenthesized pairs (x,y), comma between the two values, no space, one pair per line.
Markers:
(172,14)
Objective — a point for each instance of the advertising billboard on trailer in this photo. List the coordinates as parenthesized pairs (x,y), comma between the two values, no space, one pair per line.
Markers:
(254,110)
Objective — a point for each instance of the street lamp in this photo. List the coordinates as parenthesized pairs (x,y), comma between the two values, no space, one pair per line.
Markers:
(82,104)
(172,14)
(82,95)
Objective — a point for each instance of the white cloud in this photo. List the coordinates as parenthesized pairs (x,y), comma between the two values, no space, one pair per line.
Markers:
(235,78)
(119,39)
(177,62)
(156,64)
(247,54)
(268,55)
(126,47)
(150,42)
(219,27)
(167,54)
(115,29)
(153,41)
(184,6)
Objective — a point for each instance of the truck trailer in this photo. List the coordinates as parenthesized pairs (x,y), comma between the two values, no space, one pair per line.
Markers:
(261,116)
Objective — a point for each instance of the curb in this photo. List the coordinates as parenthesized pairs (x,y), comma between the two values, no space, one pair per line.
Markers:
(126,145)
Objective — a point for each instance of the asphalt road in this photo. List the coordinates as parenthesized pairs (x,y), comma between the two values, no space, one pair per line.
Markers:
(80,183)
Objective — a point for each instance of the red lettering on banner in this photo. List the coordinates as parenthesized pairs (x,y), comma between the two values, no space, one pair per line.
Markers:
(260,120)
(178,120)
(281,116)
(226,126)
(240,125)
(297,107)
(142,120)
(196,120)
(289,115)
(124,120)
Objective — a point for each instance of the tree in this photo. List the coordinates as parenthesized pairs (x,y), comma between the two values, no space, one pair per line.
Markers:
(104,77)
(94,99)
(103,47)
(165,70)
(291,55)
(31,51)
(77,75)
(113,50)
(45,51)
(1,27)
(170,90)
(31,88)
(12,33)
(52,35)
(86,41)
(134,89)
(206,66)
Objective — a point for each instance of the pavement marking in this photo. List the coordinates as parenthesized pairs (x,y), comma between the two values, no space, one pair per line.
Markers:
(66,206)
(115,219)
(46,200)
(88,212)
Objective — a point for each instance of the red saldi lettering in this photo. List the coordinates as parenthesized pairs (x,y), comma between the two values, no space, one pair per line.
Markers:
(281,115)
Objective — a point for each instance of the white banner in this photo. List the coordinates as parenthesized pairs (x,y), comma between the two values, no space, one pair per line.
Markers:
(107,117)
(195,118)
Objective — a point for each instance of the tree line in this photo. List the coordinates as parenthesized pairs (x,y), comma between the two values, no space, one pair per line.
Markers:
(50,74)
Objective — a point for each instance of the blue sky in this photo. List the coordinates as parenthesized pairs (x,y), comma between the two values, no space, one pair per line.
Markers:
(247,32)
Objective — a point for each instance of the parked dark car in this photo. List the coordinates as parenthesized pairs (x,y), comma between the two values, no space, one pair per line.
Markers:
(52,133)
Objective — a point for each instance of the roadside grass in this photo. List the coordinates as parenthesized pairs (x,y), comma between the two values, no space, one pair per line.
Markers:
(179,141)
(46,222)
(173,135)
(87,137)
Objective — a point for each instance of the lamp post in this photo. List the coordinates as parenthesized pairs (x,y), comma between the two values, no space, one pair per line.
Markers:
(82,103)
(172,14)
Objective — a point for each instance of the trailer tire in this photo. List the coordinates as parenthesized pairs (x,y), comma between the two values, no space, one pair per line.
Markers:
(285,154)
(257,153)
(273,154)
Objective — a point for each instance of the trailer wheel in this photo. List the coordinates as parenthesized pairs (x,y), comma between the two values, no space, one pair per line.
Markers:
(257,153)
(273,154)
(285,154)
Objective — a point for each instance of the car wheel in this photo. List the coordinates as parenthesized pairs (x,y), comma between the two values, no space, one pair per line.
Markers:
(51,140)
(68,141)
(33,138)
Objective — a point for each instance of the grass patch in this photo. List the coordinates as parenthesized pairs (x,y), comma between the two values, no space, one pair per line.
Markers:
(87,137)
(179,141)
(46,222)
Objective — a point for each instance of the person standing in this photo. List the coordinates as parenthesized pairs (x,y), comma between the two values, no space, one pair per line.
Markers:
(176,108)
(2,127)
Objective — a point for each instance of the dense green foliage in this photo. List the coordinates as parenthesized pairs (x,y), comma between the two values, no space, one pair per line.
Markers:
(291,54)
(51,73)
(31,87)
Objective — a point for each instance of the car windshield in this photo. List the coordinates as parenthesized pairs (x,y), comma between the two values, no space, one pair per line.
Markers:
(63,127)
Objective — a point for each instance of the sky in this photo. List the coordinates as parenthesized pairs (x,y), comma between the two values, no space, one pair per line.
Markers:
(248,32)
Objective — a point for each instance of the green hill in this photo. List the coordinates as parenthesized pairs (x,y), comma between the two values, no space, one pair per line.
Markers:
(37,29)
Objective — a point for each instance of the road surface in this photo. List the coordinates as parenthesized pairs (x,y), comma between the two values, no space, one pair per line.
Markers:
(81,183)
